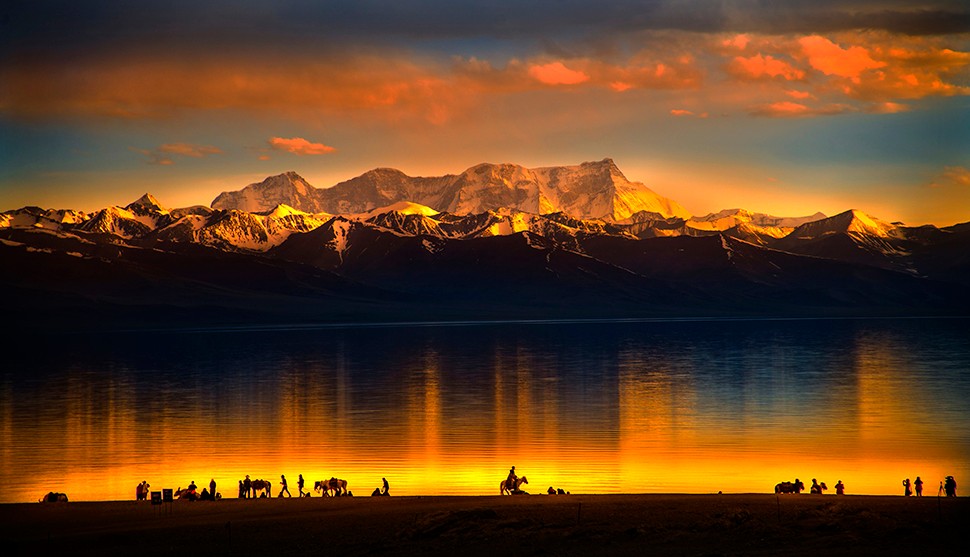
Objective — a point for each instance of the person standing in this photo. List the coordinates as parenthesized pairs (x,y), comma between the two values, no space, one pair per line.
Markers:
(300,484)
(283,483)
(907,491)
(840,488)
(212,488)
(918,484)
(386,489)
(950,487)
(248,487)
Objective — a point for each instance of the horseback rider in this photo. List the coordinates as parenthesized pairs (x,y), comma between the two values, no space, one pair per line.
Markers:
(510,482)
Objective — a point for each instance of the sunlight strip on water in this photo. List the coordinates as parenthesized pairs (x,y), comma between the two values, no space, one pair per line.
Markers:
(591,407)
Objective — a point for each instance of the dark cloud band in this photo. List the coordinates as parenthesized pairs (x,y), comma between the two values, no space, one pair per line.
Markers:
(59,24)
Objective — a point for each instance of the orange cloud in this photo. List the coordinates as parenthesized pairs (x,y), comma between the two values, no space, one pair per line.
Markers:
(683,112)
(189,150)
(739,42)
(831,59)
(299,146)
(888,108)
(161,154)
(788,109)
(556,73)
(759,67)
(800,95)
(957,175)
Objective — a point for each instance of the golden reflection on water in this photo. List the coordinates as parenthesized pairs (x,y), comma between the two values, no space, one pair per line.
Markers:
(589,416)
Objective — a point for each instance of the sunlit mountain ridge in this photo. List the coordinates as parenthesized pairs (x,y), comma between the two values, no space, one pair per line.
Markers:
(591,190)
(143,263)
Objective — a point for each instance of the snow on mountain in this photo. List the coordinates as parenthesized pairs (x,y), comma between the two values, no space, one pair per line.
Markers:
(35,217)
(119,221)
(730,218)
(288,188)
(593,190)
(759,235)
(146,204)
(240,230)
(599,190)
(851,221)
(401,207)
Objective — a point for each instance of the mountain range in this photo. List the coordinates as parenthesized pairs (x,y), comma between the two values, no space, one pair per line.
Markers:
(494,242)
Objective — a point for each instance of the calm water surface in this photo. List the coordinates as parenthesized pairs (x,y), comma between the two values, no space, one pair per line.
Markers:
(590,407)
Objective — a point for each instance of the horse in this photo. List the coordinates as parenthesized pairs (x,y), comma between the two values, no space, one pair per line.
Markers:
(187,494)
(332,487)
(261,485)
(504,488)
(790,487)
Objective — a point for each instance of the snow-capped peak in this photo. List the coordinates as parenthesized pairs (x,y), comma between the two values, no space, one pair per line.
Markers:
(403,207)
(284,210)
(146,201)
(288,188)
(851,221)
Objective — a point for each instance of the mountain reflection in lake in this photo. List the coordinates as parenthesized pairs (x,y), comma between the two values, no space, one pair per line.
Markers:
(589,407)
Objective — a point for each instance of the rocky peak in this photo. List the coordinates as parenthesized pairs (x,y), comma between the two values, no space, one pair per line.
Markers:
(145,202)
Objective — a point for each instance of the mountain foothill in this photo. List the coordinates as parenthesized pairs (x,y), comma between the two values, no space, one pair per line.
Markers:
(496,242)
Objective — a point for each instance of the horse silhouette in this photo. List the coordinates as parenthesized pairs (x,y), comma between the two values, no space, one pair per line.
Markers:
(790,487)
(333,486)
(507,487)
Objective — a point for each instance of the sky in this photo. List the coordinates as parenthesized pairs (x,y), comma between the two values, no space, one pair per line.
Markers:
(786,108)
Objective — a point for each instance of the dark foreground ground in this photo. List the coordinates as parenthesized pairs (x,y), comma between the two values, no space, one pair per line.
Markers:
(494,526)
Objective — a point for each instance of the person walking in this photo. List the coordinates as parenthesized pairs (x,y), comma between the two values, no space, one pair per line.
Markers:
(285,489)
(300,484)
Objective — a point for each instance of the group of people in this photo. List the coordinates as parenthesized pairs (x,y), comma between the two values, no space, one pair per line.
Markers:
(191,493)
(948,486)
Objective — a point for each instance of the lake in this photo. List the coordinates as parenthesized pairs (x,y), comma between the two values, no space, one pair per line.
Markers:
(590,407)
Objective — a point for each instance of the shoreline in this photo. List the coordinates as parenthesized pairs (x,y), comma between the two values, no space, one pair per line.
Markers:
(750,524)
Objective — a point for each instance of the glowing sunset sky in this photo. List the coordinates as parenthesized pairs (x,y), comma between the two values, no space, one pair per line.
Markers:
(780,107)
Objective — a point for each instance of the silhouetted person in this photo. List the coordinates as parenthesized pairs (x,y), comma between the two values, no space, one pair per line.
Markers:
(906,489)
(242,490)
(300,484)
(285,489)
(950,486)
(386,490)
(205,496)
(192,487)
(816,488)
(840,488)
(510,481)
(918,484)
(248,485)
(212,488)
